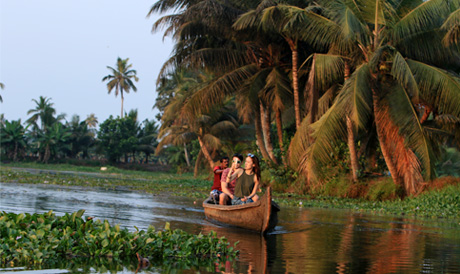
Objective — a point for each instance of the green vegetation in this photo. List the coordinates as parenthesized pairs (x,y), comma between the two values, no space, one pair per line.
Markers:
(380,197)
(443,203)
(46,240)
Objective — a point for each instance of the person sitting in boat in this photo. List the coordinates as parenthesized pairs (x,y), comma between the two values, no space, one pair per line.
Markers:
(247,181)
(216,188)
(229,188)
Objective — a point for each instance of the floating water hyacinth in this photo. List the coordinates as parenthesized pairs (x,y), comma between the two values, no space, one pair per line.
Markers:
(44,239)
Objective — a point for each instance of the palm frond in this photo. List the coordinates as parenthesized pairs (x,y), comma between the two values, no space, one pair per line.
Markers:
(214,93)
(279,90)
(326,100)
(407,165)
(438,87)
(298,147)
(405,117)
(224,128)
(327,132)
(402,72)
(428,15)
(328,70)
(212,141)
(313,28)
(249,19)
(452,28)
(358,96)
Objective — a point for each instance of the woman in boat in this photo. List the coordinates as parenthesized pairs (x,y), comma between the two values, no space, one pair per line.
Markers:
(229,188)
(247,181)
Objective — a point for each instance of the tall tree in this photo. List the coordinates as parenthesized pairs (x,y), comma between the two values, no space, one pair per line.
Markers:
(121,79)
(43,112)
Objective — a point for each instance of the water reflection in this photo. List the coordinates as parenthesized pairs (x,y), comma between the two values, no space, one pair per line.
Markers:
(305,240)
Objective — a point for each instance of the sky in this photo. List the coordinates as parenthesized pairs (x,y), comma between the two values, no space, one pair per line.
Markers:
(60,49)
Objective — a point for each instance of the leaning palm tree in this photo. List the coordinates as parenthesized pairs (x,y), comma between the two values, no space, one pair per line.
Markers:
(399,71)
(120,79)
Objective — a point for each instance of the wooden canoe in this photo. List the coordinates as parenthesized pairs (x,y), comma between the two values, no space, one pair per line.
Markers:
(260,216)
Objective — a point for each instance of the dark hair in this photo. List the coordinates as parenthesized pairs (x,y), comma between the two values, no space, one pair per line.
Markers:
(256,167)
(223,158)
(239,156)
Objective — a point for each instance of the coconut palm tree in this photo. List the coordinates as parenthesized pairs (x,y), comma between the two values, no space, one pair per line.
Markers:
(53,142)
(13,138)
(44,111)
(269,17)
(2,86)
(399,71)
(121,79)
(81,138)
(91,120)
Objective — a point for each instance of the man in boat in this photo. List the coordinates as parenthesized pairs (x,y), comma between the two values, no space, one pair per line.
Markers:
(247,183)
(216,188)
(229,187)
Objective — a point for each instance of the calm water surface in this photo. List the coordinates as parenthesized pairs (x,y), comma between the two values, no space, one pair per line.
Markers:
(305,240)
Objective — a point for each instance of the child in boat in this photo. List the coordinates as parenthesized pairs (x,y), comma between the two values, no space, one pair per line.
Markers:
(229,188)
(216,189)
(247,183)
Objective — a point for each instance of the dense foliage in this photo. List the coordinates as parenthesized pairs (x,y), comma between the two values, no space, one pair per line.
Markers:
(46,240)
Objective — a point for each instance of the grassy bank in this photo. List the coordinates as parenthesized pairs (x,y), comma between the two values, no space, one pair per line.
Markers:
(438,202)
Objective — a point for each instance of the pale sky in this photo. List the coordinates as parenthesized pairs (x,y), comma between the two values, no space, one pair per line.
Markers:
(60,49)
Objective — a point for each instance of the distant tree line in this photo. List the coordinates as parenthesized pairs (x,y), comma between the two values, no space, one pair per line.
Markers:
(47,137)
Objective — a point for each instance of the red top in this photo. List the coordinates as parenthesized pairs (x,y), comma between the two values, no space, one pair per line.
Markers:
(217,177)
(230,185)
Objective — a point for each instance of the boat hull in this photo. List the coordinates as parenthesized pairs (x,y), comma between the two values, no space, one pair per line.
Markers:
(260,216)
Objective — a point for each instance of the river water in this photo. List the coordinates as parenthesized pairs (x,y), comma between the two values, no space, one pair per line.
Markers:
(305,240)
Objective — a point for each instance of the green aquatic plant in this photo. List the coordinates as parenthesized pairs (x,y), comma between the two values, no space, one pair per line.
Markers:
(45,240)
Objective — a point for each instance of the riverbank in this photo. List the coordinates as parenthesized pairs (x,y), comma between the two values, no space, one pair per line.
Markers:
(436,203)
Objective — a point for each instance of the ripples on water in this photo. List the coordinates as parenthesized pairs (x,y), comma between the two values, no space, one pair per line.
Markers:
(305,240)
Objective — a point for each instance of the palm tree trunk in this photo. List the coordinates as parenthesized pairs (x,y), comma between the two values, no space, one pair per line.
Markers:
(312,105)
(352,149)
(122,99)
(187,158)
(351,135)
(376,25)
(259,137)
(265,119)
(15,155)
(295,81)
(47,154)
(279,130)
(197,164)
(205,151)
